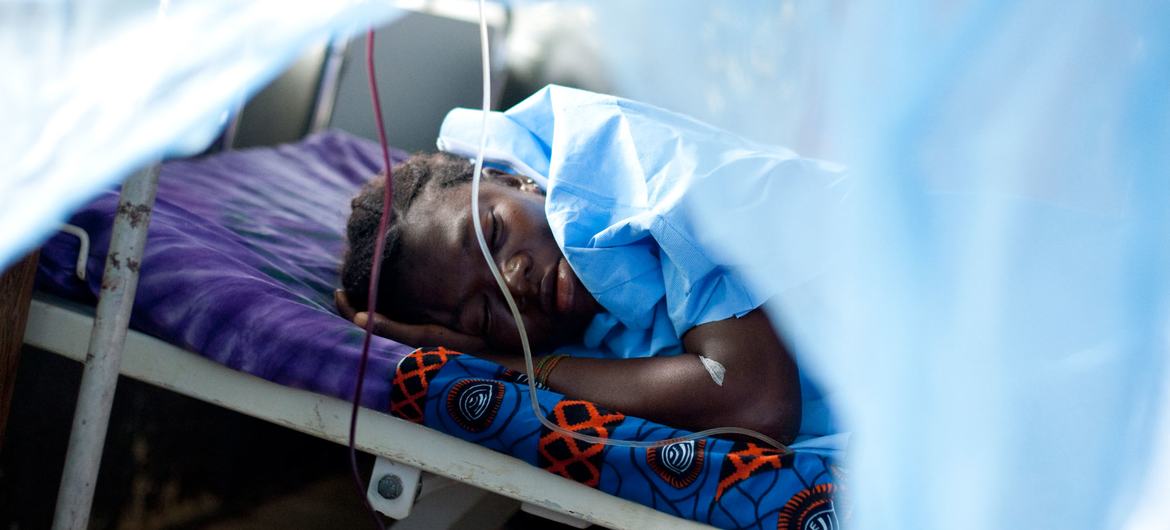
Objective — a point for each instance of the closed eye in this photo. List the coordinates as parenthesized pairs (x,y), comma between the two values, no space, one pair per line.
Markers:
(487,317)
(495,240)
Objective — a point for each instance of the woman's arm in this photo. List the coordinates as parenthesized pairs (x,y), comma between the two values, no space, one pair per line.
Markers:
(761,389)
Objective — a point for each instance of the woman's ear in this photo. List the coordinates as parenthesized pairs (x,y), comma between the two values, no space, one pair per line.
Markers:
(500,176)
(520,182)
(504,178)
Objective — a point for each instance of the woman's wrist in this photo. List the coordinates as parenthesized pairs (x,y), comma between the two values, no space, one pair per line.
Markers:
(544,370)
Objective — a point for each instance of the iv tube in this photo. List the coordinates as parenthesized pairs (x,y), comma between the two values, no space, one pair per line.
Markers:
(483,247)
(375,274)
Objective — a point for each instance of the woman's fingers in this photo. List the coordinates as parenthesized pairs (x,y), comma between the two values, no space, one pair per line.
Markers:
(343,306)
(421,334)
(412,334)
(385,327)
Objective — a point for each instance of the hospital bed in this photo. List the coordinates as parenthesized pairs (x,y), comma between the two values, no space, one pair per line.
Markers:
(240,267)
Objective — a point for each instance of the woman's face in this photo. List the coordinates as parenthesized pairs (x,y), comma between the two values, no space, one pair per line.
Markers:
(443,278)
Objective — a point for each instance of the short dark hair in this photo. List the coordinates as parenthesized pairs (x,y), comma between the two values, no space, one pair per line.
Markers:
(417,173)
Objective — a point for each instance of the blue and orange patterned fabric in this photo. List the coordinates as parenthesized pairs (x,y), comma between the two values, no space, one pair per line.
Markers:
(724,483)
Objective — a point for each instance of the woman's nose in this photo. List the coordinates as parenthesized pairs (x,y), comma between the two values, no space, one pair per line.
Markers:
(516,270)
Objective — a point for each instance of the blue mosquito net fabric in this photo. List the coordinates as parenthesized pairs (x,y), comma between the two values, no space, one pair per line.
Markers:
(993,315)
(92,91)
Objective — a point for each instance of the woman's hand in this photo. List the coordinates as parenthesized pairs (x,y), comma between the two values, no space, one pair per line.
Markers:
(761,389)
(417,335)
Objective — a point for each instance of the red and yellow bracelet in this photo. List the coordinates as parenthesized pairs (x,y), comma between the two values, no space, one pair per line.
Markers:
(545,367)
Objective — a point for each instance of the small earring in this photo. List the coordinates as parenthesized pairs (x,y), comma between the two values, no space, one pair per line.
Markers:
(532,185)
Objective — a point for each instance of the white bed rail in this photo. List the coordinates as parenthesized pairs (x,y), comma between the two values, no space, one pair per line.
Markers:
(62,327)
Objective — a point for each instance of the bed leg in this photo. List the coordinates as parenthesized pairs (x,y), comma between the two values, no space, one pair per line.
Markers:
(104,358)
(424,501)
(393,488)
(16,289)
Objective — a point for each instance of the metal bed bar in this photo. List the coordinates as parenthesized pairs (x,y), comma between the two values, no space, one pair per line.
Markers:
(61,327)
(104,354)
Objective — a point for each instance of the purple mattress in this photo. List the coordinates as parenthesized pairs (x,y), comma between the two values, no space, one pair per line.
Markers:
(241,262)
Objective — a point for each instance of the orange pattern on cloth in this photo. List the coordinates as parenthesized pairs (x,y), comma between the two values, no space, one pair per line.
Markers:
(812,506)
(572,458)
(745,463)
(408,393)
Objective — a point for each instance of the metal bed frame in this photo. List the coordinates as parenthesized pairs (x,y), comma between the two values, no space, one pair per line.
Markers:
(64,328)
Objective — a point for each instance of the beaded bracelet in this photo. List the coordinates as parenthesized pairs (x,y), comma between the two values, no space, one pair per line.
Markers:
(545,368)
(540,366)
(536,371)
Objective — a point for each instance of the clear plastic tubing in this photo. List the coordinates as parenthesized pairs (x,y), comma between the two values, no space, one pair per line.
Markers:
(483,247)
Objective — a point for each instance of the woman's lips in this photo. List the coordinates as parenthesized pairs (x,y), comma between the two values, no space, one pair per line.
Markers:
(548,290)
(566,290)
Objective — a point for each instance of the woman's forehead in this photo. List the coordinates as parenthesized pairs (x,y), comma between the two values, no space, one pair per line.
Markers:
(442,215)
(435,269)
(436,218)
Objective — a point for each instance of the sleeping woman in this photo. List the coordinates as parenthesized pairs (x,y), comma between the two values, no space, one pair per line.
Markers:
(635,342)
(603,263)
